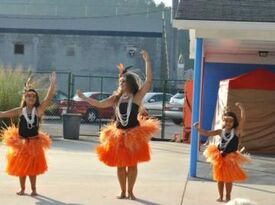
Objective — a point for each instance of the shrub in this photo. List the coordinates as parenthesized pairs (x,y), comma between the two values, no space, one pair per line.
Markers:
(11,88)
(12,83)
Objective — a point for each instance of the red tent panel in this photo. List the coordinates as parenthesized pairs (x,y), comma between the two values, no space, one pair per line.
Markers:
(256,90)
(259,79)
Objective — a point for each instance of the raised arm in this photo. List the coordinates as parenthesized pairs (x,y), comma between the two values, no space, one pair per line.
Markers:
(148,75)
(108,102)
(15,112)
(49,96)
(206,133)
(242,119)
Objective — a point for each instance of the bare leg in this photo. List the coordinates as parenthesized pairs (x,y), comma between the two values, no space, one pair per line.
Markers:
(220,188)
(132,176)
(33,185)
(122,175)
(228,187)
(22,181)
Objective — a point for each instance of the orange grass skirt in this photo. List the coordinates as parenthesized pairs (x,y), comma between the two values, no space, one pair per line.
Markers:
(25,157)
(126,147)
(227,168)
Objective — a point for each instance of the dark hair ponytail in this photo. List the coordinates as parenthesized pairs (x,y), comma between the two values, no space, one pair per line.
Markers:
(235,119)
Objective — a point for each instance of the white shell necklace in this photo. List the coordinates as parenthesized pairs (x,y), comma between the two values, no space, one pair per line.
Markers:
(28,120)
(226,139)
(124,118)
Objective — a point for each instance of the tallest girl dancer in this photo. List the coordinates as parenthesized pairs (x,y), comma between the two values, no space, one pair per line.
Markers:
(124,143)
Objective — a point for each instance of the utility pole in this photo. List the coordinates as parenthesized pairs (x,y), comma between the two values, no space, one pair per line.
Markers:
(164,72)
(165,60)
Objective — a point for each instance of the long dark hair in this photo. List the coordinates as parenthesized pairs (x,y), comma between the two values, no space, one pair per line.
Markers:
(37,102)
(132,82)
(235,119)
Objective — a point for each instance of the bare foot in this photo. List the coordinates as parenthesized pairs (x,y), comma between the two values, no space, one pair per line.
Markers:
(34,193)
(122,195)
(219,199)
(228,198)
(21,193)
(131,196)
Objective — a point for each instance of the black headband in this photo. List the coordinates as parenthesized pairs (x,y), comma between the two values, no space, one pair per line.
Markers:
(126,69)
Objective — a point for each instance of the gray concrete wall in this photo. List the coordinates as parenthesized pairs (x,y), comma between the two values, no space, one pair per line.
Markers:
(73,8)
(87,15)
(98,32)
(134,23)
(93,55)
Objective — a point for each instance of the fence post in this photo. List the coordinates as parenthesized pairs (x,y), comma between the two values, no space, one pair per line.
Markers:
(69,91)
(73,84)
(163,111)
(101,91)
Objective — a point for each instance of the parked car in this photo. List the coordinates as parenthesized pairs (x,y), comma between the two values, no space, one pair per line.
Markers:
(153,102)
(53,108)
(174,109)
(89,114)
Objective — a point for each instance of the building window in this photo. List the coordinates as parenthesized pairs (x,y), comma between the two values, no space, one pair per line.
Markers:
(70,51)
(19,48)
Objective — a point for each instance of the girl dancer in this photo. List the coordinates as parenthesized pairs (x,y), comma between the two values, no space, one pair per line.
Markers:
(225,158)
(124,143)
(26,144)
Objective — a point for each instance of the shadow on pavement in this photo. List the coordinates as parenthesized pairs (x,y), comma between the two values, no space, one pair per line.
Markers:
(141,201)
(43,200)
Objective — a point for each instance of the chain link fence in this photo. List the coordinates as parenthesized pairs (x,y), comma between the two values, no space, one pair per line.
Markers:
(164,101)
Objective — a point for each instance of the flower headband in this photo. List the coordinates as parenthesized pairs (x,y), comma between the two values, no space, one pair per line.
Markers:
(29,84)
(123,70)
(228,117)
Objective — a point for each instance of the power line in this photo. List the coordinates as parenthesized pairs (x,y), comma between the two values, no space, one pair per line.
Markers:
(77,5)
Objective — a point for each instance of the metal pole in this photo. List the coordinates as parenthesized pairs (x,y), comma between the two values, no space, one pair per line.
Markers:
(162,111)
(73,84)
(101,91)
(196,107)
(69,91)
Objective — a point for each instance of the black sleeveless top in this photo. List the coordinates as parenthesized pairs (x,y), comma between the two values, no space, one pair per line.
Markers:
(133,120)
(232,145)
(24,131)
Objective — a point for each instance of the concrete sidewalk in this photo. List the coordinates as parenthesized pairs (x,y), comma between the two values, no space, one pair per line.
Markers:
(75,177)
(260,187)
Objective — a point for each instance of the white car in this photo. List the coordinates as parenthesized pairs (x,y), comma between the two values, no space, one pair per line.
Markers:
(177,99)
(153,102)
(174,109)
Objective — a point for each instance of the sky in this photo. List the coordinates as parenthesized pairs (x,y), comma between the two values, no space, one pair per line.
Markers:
(167,2)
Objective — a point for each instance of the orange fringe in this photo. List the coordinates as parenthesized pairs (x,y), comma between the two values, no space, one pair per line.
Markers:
(25,157)
(227,168)
(127,147)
